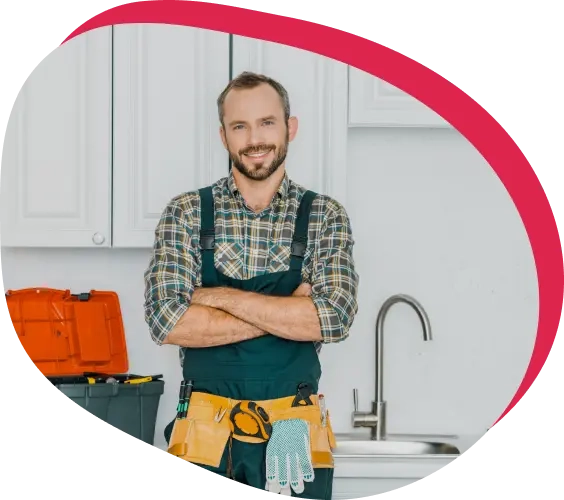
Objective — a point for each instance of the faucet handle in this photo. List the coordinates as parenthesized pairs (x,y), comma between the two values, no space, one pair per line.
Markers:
(355,399)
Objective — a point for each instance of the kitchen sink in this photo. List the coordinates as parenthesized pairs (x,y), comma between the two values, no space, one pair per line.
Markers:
(378,442)
(358,445)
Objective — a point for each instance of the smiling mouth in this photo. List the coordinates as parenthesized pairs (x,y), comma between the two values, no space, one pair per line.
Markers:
(257,155)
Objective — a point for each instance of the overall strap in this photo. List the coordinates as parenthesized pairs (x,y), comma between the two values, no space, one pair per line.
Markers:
(207,228)
(299,242)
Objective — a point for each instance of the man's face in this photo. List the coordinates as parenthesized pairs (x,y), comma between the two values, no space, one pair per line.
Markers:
(255,132)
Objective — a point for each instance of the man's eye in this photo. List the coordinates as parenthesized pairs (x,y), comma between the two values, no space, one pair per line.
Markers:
(269,122)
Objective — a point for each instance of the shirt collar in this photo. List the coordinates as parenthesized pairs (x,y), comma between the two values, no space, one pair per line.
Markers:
(282,189)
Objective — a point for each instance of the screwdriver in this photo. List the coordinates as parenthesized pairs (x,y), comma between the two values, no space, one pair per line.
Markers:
(184,398)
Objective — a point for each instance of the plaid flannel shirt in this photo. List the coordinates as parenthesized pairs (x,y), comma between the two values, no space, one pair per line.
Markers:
(250,244)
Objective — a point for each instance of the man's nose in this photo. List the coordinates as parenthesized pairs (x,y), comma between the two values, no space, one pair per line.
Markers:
(256,137)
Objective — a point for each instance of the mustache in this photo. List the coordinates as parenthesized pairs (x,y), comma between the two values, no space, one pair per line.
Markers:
(257,149)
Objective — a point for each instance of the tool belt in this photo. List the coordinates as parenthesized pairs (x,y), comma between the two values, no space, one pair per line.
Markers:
(211,421)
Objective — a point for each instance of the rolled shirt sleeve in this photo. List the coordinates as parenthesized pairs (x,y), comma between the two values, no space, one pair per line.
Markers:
(171,275)
(334,277)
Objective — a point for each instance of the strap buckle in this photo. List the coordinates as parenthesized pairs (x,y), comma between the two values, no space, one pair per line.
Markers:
(298,248)
(207,240)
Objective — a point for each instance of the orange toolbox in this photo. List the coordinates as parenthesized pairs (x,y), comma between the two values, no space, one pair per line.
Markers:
(78,342)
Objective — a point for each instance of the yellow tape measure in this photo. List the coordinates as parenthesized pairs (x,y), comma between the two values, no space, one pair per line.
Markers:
(250,422)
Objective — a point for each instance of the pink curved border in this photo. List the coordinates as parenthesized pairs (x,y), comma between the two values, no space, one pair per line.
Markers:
(469,118)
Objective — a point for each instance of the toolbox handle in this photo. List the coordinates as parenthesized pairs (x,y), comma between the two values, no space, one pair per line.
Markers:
(82,297)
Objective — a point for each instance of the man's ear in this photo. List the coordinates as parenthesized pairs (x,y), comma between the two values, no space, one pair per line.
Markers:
(222,135)
(292,128)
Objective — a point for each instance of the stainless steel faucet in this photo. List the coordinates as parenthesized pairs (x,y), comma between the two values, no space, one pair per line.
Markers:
(376,419)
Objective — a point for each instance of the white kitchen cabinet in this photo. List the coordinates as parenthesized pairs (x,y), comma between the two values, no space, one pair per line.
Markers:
(166,127)
(116,122)
(362,487)
(317,88)
(376,103)
(56,162)
(362,477)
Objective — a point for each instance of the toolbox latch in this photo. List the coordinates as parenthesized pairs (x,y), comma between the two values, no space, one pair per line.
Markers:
(83,297)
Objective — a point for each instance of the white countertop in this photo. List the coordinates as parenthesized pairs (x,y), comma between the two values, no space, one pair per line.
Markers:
(401,466)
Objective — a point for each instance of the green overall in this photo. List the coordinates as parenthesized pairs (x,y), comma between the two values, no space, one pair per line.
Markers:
(267,367)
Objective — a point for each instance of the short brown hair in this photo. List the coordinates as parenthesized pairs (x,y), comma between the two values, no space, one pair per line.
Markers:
(249,80)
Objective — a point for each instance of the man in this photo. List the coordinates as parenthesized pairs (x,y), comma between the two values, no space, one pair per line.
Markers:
(249,277)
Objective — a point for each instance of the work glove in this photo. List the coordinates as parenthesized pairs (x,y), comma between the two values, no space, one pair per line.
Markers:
(288,457)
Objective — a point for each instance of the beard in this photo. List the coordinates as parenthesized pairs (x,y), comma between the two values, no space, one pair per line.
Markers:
(263,170)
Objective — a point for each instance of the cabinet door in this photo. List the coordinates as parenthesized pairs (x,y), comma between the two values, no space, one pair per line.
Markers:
(376,103)
(317,87)
(56,165)
(166,128)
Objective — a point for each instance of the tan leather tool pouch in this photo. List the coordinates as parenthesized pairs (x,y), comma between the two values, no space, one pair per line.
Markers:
(198,438)
(322,444)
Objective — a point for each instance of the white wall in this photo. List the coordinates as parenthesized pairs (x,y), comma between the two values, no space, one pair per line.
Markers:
(431,219)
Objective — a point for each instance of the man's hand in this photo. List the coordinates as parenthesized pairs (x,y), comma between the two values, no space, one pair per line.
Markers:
(304,290)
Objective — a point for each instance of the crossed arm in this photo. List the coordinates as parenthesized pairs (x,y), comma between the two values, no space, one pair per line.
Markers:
(180,313)
(219,316)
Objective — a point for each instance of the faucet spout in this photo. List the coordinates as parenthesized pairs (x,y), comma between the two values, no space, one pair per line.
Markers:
(427,335)
(379,405)
(376,420)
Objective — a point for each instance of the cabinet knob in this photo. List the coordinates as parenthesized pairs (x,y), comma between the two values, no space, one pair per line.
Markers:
(98,239)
